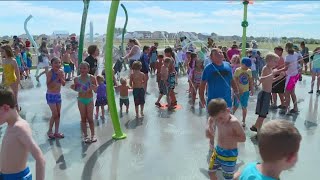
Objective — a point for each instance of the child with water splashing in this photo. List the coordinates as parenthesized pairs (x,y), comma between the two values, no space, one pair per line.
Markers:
(196,80)
(55,79)
(315,69)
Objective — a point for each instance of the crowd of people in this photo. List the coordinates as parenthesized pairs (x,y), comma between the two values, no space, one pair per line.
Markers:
(223,79)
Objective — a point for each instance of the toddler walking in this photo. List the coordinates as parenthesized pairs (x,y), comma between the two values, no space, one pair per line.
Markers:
(101,100)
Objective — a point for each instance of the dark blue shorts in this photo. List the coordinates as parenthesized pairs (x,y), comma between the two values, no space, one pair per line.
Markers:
(138,96)
(23,175)
(53,98)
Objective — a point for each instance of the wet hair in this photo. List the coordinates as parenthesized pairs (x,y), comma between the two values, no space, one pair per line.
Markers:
(278,139)
(216,106)
(136,65)
(145,48)
(7,97)
(55,59)
(160,56)
(123,81)
(84,63)
(92,49)
(100,78)
(7,49)
(289,48)
(272,57)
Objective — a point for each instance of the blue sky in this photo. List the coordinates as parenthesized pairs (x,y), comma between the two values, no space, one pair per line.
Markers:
(266,18)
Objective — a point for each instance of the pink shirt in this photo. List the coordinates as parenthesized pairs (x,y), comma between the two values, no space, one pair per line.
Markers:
(232,52)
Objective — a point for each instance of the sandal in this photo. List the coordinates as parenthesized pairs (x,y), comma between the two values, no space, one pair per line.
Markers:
(50,135)
(94,139)
(158,104)
(254,129)
(293,111)
(86,139)
(58,135)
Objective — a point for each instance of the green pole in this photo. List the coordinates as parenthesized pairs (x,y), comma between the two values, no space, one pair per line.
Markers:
(109,73)
(244,25)
(83,29)
(124,30)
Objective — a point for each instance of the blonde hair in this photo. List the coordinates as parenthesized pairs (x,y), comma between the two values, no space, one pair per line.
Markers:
(100,78)
(272,57)
(123,81)
(235,59)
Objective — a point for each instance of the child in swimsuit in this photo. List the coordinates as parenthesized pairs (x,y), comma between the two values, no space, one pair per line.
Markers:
(20,61)
(101,100)
(158,66)
(17,142)
(137,79)
(55,79)
(196,79)
(124,98)
(66,64)
(84,85)
(11,73)
(163,84)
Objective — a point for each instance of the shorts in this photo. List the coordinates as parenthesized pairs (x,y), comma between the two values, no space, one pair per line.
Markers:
(101,101)
(278,86)
(306,59)
(163,88)
(138,96)
(23,175)
(158,77)
(244,98)
(152,65)
(21,68)
(224,159)
(291,82)
(263,104)
(29,63)
(124,101)
(66,68)
(172,80)
(53,98)
(71,66)
(315,70)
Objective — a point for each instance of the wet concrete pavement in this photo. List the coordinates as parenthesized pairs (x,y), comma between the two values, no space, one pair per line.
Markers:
(162,146)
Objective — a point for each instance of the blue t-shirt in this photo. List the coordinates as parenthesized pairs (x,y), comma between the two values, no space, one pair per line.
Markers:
(252,173)
(218,79)
(145,63)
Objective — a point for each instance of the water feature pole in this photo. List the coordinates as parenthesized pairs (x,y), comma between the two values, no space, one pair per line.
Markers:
(124,30)
(244,25)
(83,29)
(109,72)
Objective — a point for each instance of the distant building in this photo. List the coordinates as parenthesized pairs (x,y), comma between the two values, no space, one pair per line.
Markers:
(61,34)
(142,34)
(159,35)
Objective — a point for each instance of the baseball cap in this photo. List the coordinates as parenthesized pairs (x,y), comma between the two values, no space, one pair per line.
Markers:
(246,61)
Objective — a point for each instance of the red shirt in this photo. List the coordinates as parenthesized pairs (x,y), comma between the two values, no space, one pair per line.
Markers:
(28,43)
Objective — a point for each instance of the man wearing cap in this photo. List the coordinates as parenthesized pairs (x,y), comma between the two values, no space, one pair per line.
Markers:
(218,76)
(278,86)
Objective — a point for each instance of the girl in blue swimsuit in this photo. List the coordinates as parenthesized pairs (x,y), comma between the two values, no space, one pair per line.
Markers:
(84,85)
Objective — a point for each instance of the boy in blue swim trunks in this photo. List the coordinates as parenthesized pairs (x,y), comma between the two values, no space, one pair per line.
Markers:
(17,142)
(137,79)
(279,143)
(244,81)
(230,132)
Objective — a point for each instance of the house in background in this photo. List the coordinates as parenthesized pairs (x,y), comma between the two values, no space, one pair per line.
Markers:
(61,34)
(142,34)
(159,34)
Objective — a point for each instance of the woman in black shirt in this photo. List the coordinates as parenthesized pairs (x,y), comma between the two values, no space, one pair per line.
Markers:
(93,52)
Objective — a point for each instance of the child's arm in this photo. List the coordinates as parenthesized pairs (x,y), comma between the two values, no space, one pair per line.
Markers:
(238,132)
(61,77)
(94,85)
(25,138)
(16,70)
(210,130)
(49,76)
(265,75)
(73,86)
(131,82)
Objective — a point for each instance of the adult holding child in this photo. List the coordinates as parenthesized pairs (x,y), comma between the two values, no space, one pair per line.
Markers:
(218,76)
(134,53)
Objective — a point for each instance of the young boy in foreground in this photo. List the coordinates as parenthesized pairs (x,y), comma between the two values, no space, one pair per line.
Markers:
(279,143)
(17,142)
(230,132)
(264,97)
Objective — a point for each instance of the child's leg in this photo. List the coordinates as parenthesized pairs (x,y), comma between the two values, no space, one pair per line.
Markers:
(89,113)
(244,115)
(259,122)
(312,81)
(57,119)
(287,98)
(141,109)
(97,112)
(54,116)
(137,111)
(102,111)
(193,93)
(159,98)
(274,99)
(282,99)
(15,89)
(318,81)
(294,100)
(83,114)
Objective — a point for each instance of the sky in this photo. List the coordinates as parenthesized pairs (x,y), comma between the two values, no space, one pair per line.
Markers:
(266,18)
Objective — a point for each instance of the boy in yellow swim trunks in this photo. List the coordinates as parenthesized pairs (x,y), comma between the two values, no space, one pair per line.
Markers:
(11,72)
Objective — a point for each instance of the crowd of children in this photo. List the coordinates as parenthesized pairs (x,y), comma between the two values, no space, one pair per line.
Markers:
(247,74)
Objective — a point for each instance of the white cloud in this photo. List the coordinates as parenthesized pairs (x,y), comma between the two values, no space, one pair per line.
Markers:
(307,7)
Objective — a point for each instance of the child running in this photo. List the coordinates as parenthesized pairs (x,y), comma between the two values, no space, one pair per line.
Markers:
(11,72)
(315,69)
(196,80)
(244,81)
(124,94)
(264,96)
(137,79)
(101,100)
(279,143)
(230,132)
(84,85)
(17,142)
(163,83)
(55,79)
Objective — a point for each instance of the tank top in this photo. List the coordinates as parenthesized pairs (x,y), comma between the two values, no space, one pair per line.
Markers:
(83,86)
(137,55)
(18,59)
(9,74)
(197,76)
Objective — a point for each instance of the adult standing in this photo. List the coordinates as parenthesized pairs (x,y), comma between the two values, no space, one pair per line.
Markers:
(278,86)
(305,55)
(43,60)
(93,52)
(234,50)
(218,76)
(134,53)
